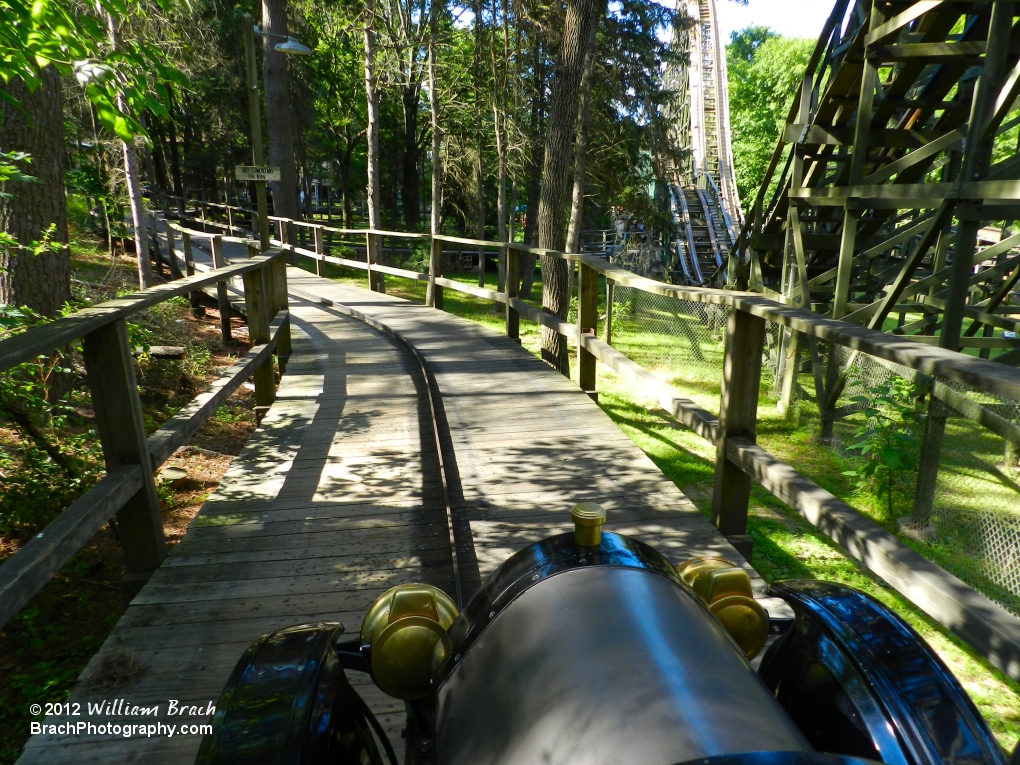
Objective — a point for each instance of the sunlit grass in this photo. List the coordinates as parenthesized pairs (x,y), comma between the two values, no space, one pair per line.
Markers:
(786,546)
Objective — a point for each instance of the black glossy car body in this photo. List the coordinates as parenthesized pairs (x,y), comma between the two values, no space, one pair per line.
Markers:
(576,655)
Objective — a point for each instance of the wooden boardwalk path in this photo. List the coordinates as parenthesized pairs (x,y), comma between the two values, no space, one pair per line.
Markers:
(335,499)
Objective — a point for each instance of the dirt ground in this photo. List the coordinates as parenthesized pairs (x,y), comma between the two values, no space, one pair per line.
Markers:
(46,645)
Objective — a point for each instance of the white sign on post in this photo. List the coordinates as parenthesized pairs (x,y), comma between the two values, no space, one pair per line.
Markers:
(253,173)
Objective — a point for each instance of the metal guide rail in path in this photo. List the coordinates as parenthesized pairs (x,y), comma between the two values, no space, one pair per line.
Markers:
(744,327)
(336,497)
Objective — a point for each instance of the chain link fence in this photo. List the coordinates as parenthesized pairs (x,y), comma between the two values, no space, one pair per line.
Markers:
(680,339)
(960,504)
(970,526)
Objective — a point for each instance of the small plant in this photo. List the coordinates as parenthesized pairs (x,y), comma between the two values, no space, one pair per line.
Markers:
(888,440)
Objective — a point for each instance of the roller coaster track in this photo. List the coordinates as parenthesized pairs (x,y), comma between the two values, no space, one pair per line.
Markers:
(698,159)
(894,186)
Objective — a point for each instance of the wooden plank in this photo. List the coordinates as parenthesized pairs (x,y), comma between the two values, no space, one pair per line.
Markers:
(41,340)
(30,569)
(738,415)
(176,431)
(991,630)
(121,428)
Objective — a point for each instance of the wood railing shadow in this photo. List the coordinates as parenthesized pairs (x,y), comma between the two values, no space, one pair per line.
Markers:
(740,462)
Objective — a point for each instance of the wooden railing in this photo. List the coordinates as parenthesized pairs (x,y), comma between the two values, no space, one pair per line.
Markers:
(740,462)
(128,490)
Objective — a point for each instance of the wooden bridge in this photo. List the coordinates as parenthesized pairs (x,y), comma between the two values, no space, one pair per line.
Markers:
(337,496)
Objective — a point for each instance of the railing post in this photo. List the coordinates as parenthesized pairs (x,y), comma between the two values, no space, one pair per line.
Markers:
(319,262)
(375,278)
(201,211)
(189,269)
(435,292)
(513,290)
(175,267)
(256,300)
(610,297)
(230,221)
(738,413)
(277,291)
(222,299)
(587,319)
(121,428)
(285,237)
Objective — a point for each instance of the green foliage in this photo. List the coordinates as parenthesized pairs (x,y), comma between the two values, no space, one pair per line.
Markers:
(33,485)
(888,440)
(764,72)
(58,33)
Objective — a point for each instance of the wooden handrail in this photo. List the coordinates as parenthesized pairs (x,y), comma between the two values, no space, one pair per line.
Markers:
(128,490)
(43,339)
(739,461)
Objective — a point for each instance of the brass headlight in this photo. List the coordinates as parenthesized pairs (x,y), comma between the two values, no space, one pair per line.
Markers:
(726,589)
(406,630)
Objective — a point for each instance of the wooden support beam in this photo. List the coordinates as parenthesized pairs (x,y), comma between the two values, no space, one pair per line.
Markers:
(434,297)
(121,427)
(319,262)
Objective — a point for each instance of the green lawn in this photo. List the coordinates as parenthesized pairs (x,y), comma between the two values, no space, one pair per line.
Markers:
(786,545)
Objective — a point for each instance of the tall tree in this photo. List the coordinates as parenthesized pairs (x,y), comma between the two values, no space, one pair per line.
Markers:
(35,211)
(278,113)
(372,123)
(581,150)
(436,217)
(581,16)
(133,173)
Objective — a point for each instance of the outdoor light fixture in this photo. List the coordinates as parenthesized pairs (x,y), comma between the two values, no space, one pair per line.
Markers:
(289,44)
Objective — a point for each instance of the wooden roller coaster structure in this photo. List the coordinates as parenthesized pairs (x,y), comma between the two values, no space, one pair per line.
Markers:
(697,162)
(891,198)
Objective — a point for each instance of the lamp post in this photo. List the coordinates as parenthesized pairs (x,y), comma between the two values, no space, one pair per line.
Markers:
(291,46)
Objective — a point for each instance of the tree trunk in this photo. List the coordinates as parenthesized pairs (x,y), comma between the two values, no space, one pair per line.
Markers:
(175,153)
(435,218)
(538,105)
(372,128)
(159,154)
(581,149)
(409,98)
(499,118)
(580,17)
(133,180)
(42,282)
(479,142)
(278,115)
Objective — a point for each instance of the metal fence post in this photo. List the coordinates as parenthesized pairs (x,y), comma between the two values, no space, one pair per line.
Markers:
(738,413)
(121,427)
(587,319)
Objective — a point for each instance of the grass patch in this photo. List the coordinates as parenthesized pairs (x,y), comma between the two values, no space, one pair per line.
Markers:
(786,545)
